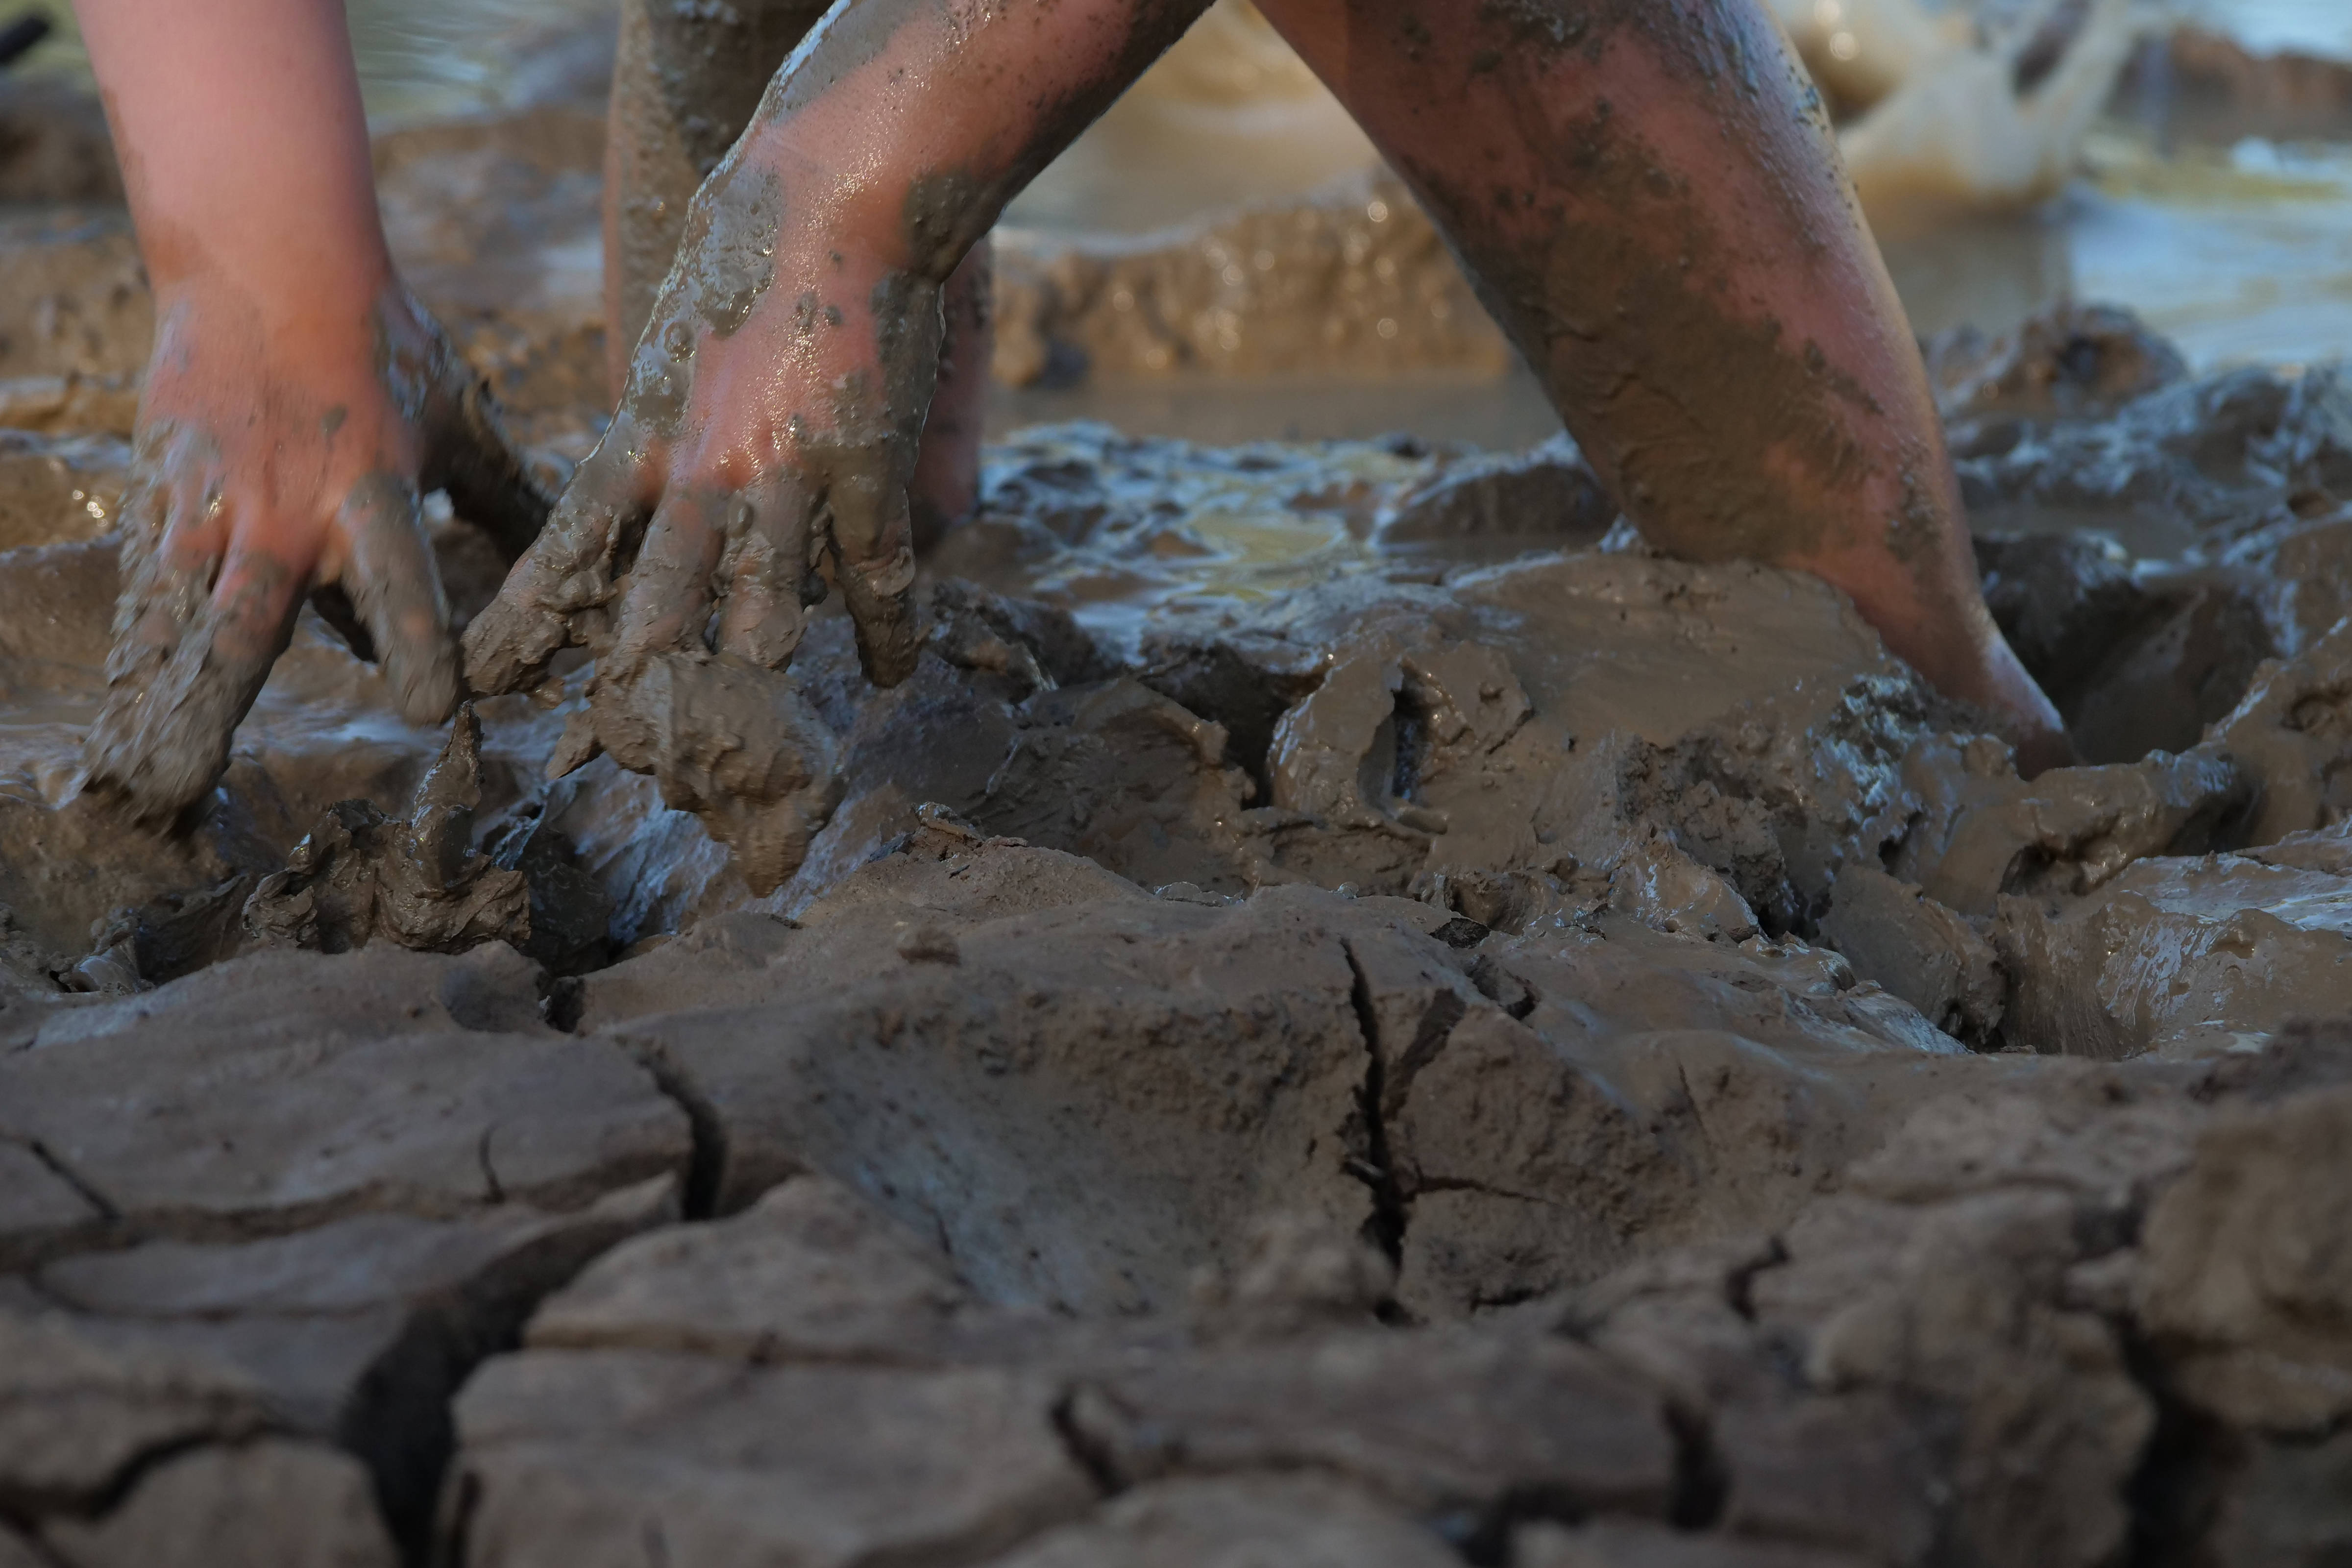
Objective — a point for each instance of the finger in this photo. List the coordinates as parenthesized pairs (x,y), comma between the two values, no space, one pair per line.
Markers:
(766,573)
(875,555)
(169,561)
(395,592)
(667,605)
(569,570)
(472,460)
(172,743)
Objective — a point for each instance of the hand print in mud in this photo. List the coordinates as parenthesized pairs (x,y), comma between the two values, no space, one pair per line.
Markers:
(265,468)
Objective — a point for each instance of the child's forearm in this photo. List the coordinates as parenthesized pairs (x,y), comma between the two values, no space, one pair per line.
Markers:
(906,128)
(244,148)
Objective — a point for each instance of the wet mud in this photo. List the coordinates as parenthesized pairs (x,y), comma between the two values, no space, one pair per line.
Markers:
(1344,1002)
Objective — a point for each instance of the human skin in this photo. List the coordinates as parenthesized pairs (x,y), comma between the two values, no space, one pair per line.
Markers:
(1647,195)
(1645,191)
(769,425)
(296,402)
(686,81)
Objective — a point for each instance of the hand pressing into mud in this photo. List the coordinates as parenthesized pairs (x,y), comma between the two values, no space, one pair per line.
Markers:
(297,400)
(761,454)
(770,423)
(272,460)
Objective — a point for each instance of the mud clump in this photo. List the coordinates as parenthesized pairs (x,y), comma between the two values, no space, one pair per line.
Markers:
(417,882)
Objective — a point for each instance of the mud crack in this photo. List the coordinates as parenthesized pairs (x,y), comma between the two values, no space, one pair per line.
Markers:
(707,1162)
(66,1173)
(1377,1168)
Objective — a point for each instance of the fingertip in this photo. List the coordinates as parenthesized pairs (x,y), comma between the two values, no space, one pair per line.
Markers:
(426,690)
(879,598)
(395,590)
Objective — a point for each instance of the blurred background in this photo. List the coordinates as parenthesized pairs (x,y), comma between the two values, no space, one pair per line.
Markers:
(1217,258)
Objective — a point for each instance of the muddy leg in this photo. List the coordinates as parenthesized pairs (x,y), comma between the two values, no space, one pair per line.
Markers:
(685,82)
(1649,197)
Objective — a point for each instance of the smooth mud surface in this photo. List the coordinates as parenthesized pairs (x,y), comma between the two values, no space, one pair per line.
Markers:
(1347,1012)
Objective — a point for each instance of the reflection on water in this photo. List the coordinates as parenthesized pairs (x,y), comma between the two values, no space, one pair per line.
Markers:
(2238,255)
(2241,255)
(1199,526)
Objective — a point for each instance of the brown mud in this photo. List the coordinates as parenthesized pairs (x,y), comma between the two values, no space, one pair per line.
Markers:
(1345,1006)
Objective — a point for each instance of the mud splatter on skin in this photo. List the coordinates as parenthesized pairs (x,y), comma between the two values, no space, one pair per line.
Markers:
(739,515)
(1671,389)
(1602,252)
(736,253)
(190,653)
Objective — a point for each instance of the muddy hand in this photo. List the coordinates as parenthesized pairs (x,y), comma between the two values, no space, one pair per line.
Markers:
(761,453)
(265,469)
(773,406)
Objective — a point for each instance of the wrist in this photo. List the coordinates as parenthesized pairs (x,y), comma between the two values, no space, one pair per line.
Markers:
(314,306)
(841,223)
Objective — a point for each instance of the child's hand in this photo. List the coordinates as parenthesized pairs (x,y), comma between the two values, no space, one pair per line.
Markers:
(765,436)
(770,425)
(273,459)
(764,443)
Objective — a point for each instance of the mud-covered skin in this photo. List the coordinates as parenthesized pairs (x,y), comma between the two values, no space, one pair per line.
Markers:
(1648,196)
(769,428)
(1648,193)
(296,401)
(685,82)
(262,473)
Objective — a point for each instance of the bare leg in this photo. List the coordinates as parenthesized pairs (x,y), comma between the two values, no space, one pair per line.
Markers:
(1648,194)
(684,84)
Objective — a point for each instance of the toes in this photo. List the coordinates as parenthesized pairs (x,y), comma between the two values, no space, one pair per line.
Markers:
(395,595)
